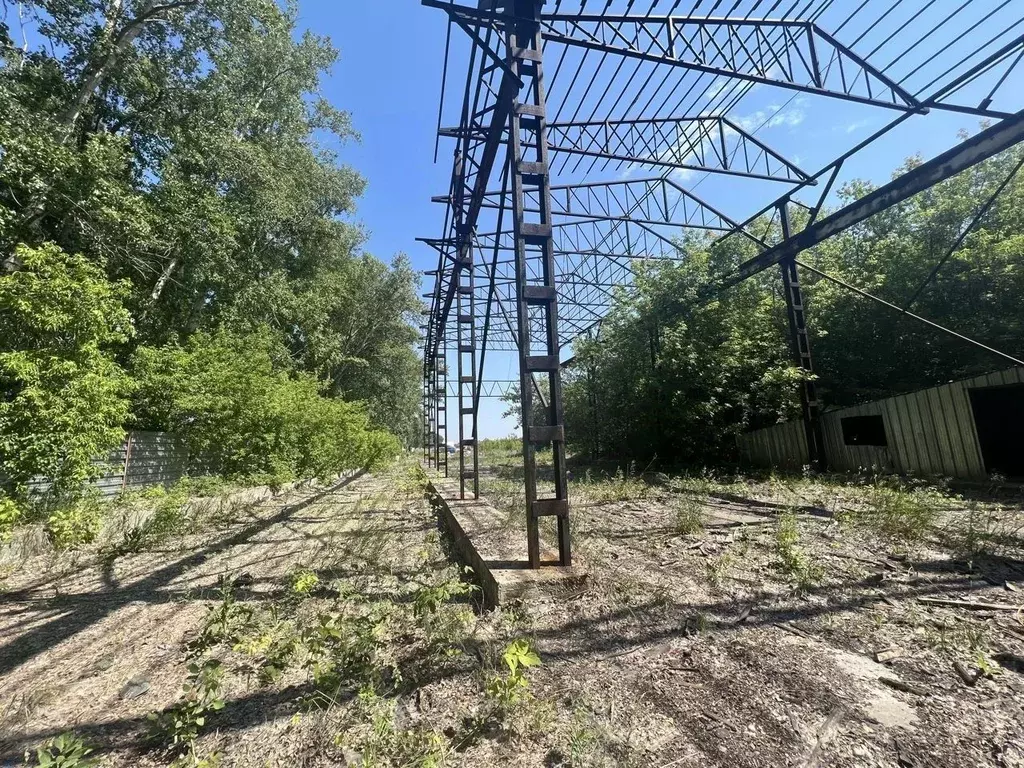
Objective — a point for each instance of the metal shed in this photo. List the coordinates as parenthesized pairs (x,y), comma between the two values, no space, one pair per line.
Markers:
(970,429)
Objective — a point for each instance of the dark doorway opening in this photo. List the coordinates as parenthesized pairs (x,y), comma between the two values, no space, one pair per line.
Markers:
(864,430)
(999,418)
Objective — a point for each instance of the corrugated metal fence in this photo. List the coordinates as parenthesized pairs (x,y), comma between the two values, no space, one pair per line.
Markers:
(931,432)
(142,460)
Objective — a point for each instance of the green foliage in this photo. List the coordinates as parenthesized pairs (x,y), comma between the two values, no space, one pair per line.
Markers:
(10,515)
(304,581)
(691,517)
(75,524)
(383,744)
(123,222)
(509,690)
(179,726)
(891,508)
(244,415)
(793,560)
(622,486)
(63,399)
(906,515)
(678,376)
(442,628)
(64,751)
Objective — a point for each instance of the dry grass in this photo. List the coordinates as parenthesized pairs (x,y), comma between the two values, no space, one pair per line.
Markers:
(342,633)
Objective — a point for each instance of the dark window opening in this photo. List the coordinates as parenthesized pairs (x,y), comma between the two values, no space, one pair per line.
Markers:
(864,430)
(999,418)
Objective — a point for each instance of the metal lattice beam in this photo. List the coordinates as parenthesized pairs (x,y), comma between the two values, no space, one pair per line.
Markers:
(710,143)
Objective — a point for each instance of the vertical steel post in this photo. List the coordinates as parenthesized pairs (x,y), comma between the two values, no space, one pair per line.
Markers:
(801,345)
(536,297)
(442,404)
(465,343)
(429,430)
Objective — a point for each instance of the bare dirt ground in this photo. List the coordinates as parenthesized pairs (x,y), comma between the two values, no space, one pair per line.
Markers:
(726,623)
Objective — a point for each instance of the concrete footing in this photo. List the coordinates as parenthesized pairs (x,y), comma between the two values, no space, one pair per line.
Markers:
(496,551)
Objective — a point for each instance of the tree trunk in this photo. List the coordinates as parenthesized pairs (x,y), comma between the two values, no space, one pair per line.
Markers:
(158,289)
(115,45)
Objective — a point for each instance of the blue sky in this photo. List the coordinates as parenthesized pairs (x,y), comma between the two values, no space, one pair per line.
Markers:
(388,77)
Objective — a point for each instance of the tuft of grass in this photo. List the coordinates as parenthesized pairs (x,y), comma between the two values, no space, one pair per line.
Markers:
(793,560)
(903,514)
(691,517)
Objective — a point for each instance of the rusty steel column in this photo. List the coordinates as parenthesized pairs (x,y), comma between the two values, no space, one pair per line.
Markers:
(536,296)
(801,345)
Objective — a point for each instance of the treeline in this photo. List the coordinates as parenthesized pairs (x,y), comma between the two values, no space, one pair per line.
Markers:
(678,378)
(178,251)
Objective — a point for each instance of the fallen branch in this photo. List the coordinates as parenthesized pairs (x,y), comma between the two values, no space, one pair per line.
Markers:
(899,685)
(826,733)
(969,678)
(969,604)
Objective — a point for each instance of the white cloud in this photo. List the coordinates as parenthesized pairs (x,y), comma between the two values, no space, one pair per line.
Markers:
(774,116)
(716,88)
(856,125)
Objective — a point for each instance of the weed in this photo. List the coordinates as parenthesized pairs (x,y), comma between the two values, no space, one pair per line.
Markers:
(64,751)
(76,524)
(339,649)
(511,689)
(381,742)
(10,516)
(719,568)
(988,667)
(691,517)
(794,562)
(983,532)
(897,511)
(180,725)
(581,739)
(225,623)
(304,582)
(442,627)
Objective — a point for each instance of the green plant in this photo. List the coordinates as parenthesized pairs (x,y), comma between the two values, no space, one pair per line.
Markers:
(510,689)
(304,582)
(581,739)
(64,751)
(988,667)
(180,725)
(902,514)
(225,622)
(719,568)
(340,649)
(381,743)
(793,561)
(11,515)
(240,408)
(63,398)
(75,524)
(691,517)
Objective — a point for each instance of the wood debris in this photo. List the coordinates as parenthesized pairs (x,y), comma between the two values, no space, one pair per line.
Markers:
(885,655)
(899,685)
(969,677)
(969,604)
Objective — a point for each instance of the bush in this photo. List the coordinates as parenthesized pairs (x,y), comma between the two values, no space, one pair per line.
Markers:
(244,415)
(10,516)
(63,398)
(75,524)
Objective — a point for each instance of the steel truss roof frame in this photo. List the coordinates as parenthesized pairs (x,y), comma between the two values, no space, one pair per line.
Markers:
(657,91)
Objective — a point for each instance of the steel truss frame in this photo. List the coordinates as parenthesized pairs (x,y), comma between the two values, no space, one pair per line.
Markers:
(546,273)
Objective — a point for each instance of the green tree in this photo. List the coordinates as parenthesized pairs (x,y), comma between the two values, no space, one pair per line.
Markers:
(63,398)
(244,414)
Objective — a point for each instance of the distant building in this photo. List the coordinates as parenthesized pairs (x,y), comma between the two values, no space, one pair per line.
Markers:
(970,429)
